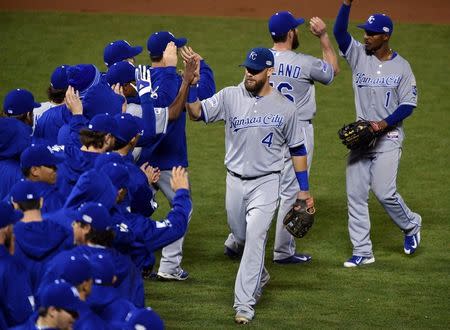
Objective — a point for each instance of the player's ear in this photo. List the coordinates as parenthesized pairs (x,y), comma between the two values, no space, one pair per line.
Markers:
(270,71)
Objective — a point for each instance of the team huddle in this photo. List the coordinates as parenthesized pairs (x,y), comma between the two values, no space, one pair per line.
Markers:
(80,173)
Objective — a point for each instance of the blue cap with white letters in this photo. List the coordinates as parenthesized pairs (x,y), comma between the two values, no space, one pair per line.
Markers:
(259,59)
(378,23)
(280,23)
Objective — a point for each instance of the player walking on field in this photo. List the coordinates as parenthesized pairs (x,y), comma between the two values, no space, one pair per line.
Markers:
(259,122)
(385,94)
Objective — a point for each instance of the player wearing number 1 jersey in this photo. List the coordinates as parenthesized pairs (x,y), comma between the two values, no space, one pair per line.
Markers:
(294,76)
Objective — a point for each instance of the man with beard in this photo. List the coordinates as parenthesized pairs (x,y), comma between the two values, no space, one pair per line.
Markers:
(294,77)
(259,123)
(385,94)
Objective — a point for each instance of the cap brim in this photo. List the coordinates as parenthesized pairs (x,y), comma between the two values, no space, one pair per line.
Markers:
(300,21)
(36,105)
(252,66)
(180,42)
(135,51)
(366,27)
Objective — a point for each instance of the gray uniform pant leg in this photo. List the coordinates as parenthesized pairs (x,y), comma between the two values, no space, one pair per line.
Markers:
(358,186)
(384,186)
(284,245)
(172,254)
(250,205)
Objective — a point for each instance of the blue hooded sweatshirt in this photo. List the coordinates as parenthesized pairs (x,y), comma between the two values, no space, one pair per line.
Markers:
(36,243)
(16,298)
(14,138)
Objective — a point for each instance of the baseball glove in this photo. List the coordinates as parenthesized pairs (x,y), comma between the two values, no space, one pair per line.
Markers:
(358,135)
(298,222)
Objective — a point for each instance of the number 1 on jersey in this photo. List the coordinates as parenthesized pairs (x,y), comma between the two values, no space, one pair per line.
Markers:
(268,139)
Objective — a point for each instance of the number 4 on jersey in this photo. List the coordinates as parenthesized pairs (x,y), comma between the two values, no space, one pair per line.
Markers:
(267,139)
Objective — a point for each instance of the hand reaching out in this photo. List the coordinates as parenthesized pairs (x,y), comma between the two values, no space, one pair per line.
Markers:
(170,54)
(179,179)
(152,173)
(317,26)
(73,101)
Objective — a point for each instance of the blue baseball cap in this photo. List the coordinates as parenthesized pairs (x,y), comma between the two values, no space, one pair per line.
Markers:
(259,59)
(118,174)
(61,295)
(144,319)
(128,126)
(38,155)
(82,77)
(157,42)
(76,269)
(118,51)
(378,23)
(25,190)
(120,72)
(106,158)
(58,79)
(19,101)
(104,123)
(94,214)
(280,23)
(101,99)
(103,268)
(8,215)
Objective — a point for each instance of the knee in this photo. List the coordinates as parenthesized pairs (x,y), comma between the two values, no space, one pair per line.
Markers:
(383,194)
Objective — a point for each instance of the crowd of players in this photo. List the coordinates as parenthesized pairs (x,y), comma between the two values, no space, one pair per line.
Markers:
(76,189)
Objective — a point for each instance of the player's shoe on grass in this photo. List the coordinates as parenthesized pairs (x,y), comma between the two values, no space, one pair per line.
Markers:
(182,275)
(411,243)
(241,318)
(356,261)
(230,253)
(295,259)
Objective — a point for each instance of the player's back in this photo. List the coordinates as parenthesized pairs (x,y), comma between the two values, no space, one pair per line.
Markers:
(294,76)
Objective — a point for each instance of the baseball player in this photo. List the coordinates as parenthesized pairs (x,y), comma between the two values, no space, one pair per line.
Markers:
(385,94)
(294,77)
(259,122)
(170,149)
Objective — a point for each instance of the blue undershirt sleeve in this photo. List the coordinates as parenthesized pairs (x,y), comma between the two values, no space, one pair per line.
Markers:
(341,34)
(402,112)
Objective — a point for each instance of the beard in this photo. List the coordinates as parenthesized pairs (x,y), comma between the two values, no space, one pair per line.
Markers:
(295,42)
(369,52)
(254,86)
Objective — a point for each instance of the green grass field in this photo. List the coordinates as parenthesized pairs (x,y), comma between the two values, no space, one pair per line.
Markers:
(398,291)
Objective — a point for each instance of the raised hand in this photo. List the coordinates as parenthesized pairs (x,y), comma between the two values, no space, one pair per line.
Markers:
(170,55)
(152,173)
(143,80)
(317,26)
(73,101)
(179,179)
(190,74)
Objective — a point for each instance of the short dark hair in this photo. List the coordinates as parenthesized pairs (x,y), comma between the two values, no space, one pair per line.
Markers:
(100,237)
(156,58)
(56,95)
(43,311)
(26,171)
(32,204)
(280,38)
(92,138)
(119,144)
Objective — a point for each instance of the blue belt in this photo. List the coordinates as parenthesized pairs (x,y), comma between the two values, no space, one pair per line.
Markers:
(250,177)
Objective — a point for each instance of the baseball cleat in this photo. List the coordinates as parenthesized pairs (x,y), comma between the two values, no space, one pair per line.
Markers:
(241,319)
(356,261)
(411,243)
(230,253)
(182,275)
(295,259)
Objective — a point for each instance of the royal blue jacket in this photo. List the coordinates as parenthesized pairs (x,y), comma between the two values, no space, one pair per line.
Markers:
(88,320)
(170,149)
(16,298)
(38,242)
(48,125)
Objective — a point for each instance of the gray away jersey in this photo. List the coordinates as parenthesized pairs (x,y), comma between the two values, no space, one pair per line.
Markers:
(294,77)
(161,116)
(256,129)
(380,87)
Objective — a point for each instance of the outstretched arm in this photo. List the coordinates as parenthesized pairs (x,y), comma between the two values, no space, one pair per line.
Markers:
(341,34)
(319,29)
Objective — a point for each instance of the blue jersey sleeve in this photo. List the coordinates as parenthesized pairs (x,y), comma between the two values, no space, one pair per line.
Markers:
(402,112)
(174,226)
(206,84)
(341,34)
(165,86)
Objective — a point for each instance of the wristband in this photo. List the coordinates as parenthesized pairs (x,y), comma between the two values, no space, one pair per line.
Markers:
(193,94)
(302,178)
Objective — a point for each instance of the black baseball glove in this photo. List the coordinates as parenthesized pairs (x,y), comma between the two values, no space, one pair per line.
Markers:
(358,135)
(299,221)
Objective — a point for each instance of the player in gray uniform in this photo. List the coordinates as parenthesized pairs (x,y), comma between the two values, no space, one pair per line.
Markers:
(259,122)
(385,94)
